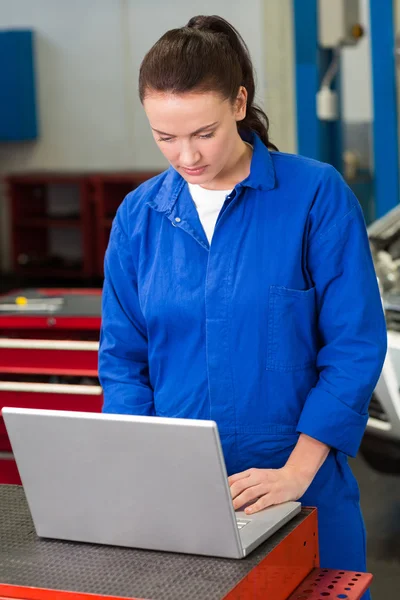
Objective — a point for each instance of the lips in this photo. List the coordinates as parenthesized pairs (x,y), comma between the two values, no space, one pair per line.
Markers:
(197,171)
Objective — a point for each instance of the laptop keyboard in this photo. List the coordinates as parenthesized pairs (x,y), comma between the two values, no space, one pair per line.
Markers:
(241,524)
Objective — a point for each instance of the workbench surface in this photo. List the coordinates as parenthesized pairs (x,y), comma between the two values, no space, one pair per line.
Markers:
(26,560)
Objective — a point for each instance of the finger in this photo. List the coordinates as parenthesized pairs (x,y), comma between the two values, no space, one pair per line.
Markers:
(249,495)
(262,503)
(243,484)
(238,476)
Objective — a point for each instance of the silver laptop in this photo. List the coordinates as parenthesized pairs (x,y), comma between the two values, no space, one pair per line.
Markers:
(142,482)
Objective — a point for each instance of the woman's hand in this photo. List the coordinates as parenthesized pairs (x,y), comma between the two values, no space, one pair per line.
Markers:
(274,486)
(268,487)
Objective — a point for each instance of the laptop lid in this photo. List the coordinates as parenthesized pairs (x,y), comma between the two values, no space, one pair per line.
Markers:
(144,482)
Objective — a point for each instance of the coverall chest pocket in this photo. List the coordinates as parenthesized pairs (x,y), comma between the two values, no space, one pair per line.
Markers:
(292,329)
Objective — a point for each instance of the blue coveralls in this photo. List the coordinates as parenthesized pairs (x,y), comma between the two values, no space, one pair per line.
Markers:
(276,328)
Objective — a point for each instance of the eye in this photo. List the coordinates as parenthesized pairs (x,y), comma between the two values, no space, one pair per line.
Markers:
(206,136)
(165,139)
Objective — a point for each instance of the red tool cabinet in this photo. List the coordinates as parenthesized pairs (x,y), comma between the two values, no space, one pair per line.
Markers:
(48,356)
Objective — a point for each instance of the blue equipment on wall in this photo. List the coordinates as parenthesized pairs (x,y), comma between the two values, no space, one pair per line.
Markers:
(18,115)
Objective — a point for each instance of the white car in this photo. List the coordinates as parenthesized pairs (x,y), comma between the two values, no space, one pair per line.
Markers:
(381,443)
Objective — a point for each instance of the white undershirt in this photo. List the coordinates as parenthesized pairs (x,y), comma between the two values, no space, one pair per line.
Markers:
(208,204)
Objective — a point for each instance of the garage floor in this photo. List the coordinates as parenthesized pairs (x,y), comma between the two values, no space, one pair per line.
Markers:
(380,501)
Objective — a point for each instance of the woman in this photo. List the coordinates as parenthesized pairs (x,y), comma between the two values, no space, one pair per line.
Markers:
(239,287)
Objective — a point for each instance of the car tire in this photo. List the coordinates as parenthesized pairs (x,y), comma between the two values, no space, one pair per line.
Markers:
(381,454)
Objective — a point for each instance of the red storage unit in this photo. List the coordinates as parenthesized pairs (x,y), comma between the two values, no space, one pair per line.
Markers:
(86,398)
(48,356)
(37,220)
(52,213)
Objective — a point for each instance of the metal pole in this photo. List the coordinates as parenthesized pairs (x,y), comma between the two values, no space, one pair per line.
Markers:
(385,131)
(317,139)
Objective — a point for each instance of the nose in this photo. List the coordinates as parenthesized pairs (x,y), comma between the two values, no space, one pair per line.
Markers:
(189,156)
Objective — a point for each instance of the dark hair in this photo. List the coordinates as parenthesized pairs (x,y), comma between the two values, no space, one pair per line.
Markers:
(208,54)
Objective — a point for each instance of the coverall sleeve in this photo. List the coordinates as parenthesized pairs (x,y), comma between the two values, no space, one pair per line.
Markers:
(351,324)
(123,356)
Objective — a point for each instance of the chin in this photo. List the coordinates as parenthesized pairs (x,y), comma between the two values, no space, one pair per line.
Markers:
(199,179)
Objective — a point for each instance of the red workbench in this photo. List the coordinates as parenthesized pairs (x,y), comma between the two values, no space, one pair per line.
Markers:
(284,567)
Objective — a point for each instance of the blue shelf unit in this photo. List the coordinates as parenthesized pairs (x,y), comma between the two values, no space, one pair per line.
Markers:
(18,110)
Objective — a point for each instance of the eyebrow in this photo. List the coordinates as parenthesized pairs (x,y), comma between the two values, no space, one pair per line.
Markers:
(193,133)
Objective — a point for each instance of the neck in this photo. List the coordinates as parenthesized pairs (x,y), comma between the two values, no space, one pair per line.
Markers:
(235,171)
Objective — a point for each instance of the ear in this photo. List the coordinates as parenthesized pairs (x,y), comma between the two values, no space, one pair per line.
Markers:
(241,104)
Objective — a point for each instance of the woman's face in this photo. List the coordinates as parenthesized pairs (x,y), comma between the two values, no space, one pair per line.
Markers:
(197,132)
